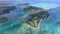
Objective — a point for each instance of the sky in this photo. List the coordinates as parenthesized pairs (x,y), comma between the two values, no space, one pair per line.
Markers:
(39,3)
(35,1)
(45,5)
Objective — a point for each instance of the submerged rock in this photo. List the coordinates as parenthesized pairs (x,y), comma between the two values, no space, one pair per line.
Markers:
(3,19)
(6,9)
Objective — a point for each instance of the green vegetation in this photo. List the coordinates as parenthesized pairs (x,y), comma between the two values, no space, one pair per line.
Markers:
(36,15)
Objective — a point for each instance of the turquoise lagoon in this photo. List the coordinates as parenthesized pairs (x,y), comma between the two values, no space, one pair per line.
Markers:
(48,26)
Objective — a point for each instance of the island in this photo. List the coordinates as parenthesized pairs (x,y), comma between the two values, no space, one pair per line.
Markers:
(36,15)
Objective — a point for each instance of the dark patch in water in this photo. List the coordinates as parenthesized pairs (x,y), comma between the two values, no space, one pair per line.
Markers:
(3,19)
(5,10)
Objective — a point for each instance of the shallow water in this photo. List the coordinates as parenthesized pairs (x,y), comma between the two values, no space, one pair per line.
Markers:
(49,26)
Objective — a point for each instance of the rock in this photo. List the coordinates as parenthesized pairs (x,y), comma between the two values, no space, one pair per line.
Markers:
(3,19)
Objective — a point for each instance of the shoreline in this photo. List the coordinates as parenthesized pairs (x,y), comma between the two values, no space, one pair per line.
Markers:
(37,27)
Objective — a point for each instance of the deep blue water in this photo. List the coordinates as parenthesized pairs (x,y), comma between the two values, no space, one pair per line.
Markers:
(52,25)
